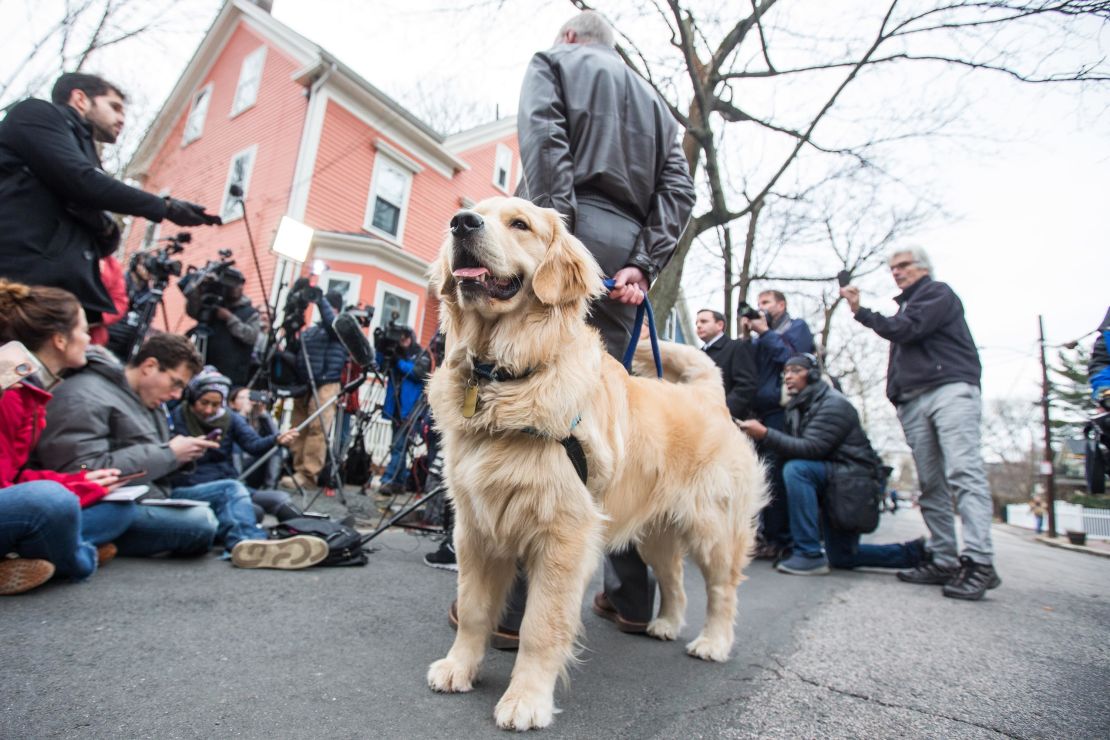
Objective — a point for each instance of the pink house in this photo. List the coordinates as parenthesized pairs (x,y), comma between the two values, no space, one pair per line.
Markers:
(304,136)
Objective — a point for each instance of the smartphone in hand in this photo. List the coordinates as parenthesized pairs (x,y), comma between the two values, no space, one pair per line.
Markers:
(125,477)
(214,435)
(843,278)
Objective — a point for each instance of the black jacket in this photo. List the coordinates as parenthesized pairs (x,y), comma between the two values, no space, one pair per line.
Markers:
(737,362)
(598,144)
(930,343)
(53,195)
(231,342)
(821,424)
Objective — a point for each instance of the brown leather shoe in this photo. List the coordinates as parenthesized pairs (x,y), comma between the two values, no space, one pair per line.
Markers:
(604,609)
(18,575)
(502,637)
(105,552)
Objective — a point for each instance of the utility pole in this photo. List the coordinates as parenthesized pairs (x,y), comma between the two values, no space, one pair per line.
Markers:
(1046,466)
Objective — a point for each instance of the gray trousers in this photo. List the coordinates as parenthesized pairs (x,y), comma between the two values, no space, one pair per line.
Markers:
(942,428)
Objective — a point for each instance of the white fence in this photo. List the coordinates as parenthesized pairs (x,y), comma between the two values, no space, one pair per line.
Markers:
(1095,522)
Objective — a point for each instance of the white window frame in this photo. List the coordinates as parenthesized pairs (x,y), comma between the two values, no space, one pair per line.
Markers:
(503,160)
(255,58)
(380,161)
(201,113)
(380,319)
(324,281)
(252,152)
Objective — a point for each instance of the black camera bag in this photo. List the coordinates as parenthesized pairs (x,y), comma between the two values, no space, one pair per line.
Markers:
(854,497)
(344,543)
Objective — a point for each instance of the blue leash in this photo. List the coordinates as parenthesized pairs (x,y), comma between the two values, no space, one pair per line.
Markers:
(643,308)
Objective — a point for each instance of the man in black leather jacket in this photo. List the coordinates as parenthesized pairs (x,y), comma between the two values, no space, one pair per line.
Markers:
(823,440)
(598,145)
(54,196)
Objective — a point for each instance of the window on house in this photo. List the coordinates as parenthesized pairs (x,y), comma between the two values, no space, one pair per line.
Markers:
(250,78)
(194,124)
(388,196)
(239,173)
(394,304)
(503,168)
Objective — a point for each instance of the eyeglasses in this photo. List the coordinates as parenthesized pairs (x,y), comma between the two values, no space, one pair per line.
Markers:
(903,265)
(179,383)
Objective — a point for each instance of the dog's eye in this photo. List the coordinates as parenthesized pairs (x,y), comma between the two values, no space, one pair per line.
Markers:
(517,223)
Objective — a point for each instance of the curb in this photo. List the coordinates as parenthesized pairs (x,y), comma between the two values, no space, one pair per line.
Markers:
(1065,545)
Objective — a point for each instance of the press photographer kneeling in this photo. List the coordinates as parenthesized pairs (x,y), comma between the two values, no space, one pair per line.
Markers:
(829,459)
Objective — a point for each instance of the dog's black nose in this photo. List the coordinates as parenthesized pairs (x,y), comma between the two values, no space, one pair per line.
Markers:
(466,223)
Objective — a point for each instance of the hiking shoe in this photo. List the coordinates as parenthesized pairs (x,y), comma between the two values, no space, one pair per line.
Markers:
(443,558)
(928,574)
(972,580)
(105,553)
(291,553)
(22,574)
(502,638)
(801,564)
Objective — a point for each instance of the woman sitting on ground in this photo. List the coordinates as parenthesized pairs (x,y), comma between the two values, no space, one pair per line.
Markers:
(254,411)
(204,412)
(54,521)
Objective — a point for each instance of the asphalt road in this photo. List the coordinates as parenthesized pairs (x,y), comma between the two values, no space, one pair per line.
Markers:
(184,649)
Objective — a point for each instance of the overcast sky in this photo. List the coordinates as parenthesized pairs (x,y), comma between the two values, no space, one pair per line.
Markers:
(1030,234)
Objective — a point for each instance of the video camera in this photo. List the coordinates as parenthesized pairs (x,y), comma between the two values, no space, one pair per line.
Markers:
(301,295)
(158,263)
(208,288)
(387,339)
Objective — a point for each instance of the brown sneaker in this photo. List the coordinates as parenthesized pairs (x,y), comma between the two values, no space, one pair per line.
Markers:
(22,574)
(105,553)
(291,553)
(604,609)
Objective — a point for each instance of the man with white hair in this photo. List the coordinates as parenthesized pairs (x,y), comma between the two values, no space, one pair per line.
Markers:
(933,380)
(600,146)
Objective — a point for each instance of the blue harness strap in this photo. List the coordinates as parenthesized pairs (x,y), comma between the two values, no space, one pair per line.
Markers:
(641,310)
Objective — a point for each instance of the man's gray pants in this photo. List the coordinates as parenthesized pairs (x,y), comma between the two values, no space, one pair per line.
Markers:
(942,428)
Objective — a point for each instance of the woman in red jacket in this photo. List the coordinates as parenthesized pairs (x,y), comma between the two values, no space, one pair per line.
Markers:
(37,507)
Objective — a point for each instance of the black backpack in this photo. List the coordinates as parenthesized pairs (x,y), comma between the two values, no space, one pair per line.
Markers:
(344,543)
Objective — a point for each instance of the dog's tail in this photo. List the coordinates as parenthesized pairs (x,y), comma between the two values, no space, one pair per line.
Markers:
(681,364)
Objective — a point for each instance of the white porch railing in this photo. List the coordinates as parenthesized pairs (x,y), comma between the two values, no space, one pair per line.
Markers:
(1074,517)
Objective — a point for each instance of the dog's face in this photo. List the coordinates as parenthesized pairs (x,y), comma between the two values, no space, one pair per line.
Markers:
(507,252)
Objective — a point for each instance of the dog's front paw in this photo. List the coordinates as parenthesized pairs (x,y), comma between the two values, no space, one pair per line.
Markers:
(451,677)
(517,712)
(707,648)
(663,629)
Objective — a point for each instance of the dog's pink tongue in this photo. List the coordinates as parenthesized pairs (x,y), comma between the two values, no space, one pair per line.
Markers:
(470,272)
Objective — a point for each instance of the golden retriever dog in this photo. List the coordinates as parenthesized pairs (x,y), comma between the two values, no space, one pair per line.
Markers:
(667,469)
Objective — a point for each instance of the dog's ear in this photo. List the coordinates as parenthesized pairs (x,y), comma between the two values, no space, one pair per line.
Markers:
(442,283)
(568,272)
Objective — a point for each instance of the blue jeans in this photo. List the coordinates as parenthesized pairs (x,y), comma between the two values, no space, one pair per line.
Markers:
(231,502)
(180,532)
(106,521)
(42,519)
(396,471)
(804,480)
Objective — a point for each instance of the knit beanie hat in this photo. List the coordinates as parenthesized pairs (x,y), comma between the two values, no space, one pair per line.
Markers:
(207,380)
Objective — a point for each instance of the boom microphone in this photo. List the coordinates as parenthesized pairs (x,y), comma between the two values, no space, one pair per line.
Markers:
(235,191)
(349,332)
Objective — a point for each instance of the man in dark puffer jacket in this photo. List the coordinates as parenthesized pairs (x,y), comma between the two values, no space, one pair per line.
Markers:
(320,364)
(823,436)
